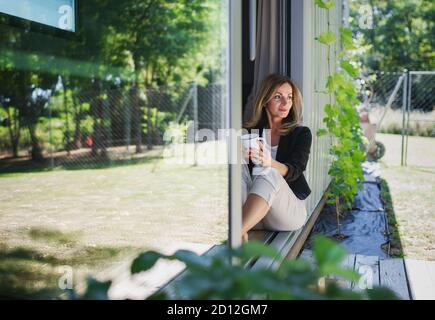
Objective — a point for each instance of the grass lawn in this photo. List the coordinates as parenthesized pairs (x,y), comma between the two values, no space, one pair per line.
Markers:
(90,219)
(413,192)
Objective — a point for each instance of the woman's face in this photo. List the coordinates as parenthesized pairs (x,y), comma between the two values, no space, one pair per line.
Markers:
(281,102)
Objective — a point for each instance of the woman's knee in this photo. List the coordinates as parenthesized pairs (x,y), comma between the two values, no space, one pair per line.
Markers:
(286,219)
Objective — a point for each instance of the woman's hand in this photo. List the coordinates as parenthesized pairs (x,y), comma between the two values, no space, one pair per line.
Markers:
(261,156)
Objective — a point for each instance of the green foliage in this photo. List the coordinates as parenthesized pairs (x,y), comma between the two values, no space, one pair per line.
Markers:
(327,37)
(160,122)
(150,45)
(180,30)
(342,124)
(97,290)
(325,4)
(401,35)
(349,68)
(214,277)
(346,39)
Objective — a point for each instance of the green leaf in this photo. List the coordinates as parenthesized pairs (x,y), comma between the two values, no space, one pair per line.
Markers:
(331,110)
(191,259)
(322,132)
(346,38)
(159,295)
(381,293)
(325,4)
(348,274)
(335,82)
(327,38)
(327,251)
(350,69)
(145,261)
(96,290)
(254,249)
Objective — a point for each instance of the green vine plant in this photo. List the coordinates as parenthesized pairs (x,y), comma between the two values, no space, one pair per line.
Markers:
(342,119)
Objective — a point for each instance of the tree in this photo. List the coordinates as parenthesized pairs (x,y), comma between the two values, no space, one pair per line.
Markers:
(150,44)
(401,37)
(159,36)
(11,114)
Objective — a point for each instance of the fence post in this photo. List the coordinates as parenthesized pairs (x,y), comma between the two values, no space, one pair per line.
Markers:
(404,101)
(127,118)
(408,114)
(195,122)
(50,134)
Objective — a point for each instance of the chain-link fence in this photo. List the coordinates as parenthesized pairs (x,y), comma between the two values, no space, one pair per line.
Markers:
(401,103)
(104,126)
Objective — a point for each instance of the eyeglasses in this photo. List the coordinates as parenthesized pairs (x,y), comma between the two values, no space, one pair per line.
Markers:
(278,98)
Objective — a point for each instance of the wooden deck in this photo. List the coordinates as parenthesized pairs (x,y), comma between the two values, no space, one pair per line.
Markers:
(409,279)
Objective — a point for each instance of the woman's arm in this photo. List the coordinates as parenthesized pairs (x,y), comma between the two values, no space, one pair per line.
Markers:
(297,160)
(282,168)
(264,158)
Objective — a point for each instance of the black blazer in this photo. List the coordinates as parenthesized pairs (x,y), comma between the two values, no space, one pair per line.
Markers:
(293,151)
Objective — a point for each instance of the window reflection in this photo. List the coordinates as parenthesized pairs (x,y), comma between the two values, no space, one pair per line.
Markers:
(86,176)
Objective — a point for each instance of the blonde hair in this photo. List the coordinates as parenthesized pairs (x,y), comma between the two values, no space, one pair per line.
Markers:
(264,96)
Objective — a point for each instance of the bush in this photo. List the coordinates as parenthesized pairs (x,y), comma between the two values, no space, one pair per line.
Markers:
(214,277)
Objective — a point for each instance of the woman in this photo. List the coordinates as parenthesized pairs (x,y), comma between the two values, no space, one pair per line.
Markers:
(275,200)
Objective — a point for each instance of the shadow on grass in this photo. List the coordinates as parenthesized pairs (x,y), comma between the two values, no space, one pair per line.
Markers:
(394,246)
(12,166)
(52,235)
(29,273)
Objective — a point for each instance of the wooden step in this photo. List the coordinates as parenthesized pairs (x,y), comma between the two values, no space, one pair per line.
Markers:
(374,272)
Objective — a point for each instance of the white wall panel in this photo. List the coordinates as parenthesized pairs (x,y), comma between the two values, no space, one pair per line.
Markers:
(309,69)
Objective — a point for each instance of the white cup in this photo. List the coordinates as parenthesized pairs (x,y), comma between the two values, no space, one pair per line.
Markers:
(251,141)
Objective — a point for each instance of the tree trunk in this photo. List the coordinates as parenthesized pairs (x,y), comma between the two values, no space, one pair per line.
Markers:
(156,130)
(136,117)
(97,115)
(65,105)
(150,128)
(14,131)
(36,151)
(77,143)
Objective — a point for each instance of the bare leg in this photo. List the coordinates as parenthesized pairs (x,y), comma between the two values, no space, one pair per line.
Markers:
(245,237)
(254,210)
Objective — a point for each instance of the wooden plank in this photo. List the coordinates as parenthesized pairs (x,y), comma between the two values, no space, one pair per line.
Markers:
(392,275)
(261,235)
(421,279)
(308,256)
(347,263)
(289,244)
(277,243)
(303,234)
(368,268)
(286,245)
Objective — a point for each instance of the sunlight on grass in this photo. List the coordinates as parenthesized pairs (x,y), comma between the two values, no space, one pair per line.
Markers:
(412,190)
